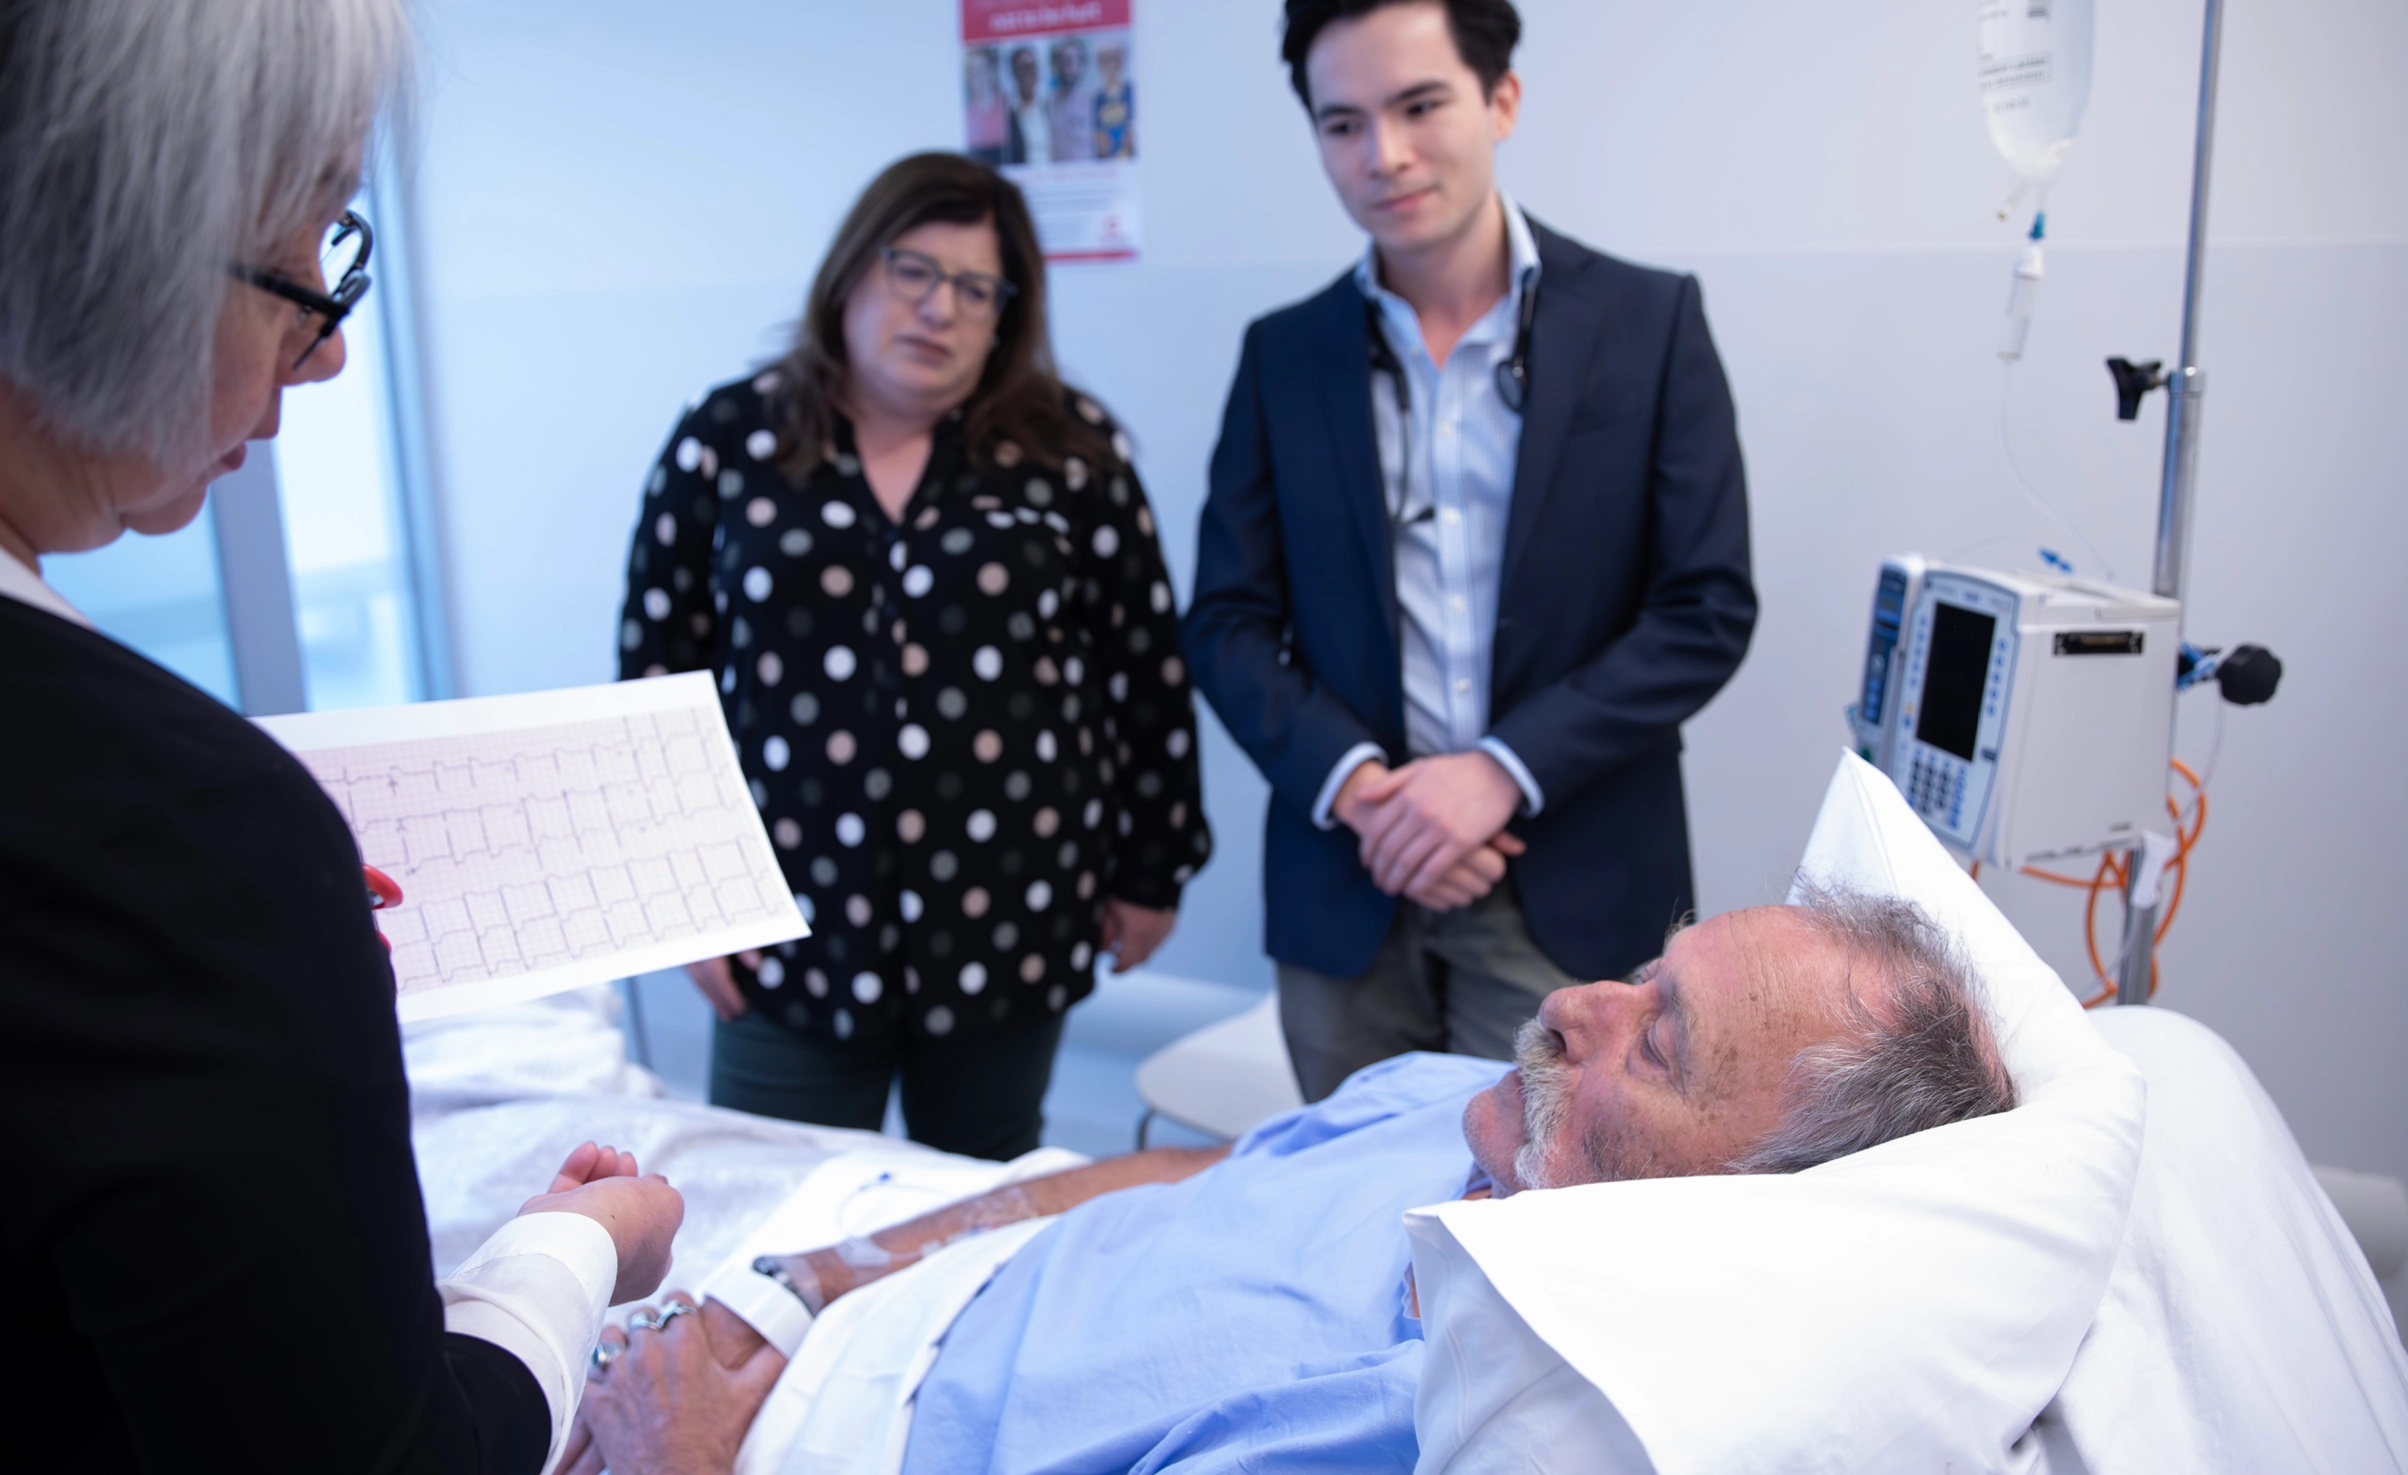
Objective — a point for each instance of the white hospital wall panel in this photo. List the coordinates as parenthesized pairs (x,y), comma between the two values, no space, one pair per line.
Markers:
(622,204)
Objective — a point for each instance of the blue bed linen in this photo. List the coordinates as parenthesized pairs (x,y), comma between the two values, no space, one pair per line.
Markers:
(1250,1318)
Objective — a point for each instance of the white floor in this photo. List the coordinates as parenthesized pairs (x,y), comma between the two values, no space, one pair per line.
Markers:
(1093,1106)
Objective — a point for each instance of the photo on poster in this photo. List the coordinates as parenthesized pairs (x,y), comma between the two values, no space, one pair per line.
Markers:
(1049,95)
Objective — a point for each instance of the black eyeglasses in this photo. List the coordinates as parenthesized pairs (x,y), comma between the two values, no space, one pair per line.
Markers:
(350,284)
(915,278)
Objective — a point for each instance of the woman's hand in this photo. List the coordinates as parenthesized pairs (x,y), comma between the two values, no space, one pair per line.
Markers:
(1132,932)
(641,1212)
(718,984)
(677,1401)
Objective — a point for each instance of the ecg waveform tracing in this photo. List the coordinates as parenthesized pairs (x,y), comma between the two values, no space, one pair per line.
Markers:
(522,850)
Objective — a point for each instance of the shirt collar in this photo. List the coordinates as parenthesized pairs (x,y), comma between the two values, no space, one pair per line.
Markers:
(1521,255)
(25,586)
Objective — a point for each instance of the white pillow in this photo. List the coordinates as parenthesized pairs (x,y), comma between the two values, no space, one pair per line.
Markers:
(1911,1307)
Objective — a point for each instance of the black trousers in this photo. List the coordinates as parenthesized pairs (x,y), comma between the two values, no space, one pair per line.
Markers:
(979,1095)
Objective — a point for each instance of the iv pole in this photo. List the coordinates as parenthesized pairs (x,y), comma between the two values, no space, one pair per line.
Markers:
(2186,386)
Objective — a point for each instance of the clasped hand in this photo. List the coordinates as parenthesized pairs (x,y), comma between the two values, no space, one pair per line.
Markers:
(640,1211)
(1433,831)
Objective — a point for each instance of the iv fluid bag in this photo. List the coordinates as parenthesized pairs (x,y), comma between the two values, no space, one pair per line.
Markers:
(2035,81)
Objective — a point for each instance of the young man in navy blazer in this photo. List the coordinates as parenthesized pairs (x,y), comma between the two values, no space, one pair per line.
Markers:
(1476,546)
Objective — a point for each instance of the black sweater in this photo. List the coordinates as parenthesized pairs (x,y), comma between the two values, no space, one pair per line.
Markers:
(212,1228)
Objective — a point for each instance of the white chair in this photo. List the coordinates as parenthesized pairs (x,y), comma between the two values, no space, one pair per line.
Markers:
(1224,1078)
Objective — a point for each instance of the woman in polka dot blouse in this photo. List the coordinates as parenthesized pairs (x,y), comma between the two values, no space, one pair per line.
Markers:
(929,584)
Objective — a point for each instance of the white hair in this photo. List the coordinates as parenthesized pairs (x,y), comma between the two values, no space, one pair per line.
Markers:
(145,147)
(1916,1050)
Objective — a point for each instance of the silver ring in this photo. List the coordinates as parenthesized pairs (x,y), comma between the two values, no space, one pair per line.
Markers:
(606,1353)
(643,1321)
(670,1311)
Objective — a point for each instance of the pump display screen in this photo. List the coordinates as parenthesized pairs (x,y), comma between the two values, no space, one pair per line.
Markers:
(1953,679)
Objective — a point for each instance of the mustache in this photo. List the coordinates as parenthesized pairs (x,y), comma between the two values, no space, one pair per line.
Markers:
(1538,1054)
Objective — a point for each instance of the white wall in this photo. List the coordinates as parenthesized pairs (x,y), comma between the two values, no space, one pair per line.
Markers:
(622,202)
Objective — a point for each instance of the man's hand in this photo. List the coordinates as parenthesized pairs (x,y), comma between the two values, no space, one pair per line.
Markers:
(1420,821)
(1131,932)
(677,1401)
(718,984)
(1476,875)
(641,1212)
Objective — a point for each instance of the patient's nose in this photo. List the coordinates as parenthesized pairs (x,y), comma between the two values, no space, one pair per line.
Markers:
(1586,1013)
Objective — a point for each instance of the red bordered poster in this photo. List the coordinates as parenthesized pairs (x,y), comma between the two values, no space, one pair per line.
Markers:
(1049,93)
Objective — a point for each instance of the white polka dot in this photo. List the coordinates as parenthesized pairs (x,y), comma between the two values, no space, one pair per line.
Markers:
(1090,411)
(1119,686)
(1107,541)
(664,528)
(939,1021)
(1093,814)
(896,556)
(982,825)
(1177,743)
(794,542)
(1121,446)
(787,833)
(866,987)
(1074,473)
(1040,896)
(771,973)
(912,740)
(849,828)
(770,667)
(987,661)
(836,514)
(857,909)
(840,662)
(760,445)
(1161,598)
(803,904)
(689,454)
(1074,670)
(844,1024)
(765,382)
(1006,454)
(757,584)
(1081,956)
(1056,997)
(836,580)
(731,482)
(760,512)
(1047,603)
(631,635)
(776,754)
(656,603)
(1047,748)
(918,581)
(912,906)
(974,977)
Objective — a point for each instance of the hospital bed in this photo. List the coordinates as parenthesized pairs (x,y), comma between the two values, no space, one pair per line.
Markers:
(2238,1326)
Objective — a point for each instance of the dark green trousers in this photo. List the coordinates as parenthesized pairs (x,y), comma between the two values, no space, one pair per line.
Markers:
(980,1095)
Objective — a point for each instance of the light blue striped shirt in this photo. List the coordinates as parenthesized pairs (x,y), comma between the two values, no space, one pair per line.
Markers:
(1446,469)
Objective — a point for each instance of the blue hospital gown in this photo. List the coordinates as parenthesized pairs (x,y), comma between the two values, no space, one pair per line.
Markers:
(1250,1318)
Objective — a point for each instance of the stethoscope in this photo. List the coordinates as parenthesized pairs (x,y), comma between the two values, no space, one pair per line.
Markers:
(1513,389)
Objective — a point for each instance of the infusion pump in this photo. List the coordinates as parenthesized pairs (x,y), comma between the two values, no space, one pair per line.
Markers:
(2025,717)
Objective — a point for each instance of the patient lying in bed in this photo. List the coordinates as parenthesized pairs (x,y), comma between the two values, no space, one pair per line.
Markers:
(1250,1307)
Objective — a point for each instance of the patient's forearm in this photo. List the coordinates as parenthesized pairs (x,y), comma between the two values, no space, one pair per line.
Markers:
(823,1275)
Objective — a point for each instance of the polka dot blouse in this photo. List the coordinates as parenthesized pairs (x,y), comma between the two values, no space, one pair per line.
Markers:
(965,730)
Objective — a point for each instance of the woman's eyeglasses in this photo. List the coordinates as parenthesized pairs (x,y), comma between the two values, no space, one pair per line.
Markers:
(915,278)
(350,281)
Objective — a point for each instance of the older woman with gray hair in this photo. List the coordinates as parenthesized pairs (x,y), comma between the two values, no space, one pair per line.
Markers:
(214,1233)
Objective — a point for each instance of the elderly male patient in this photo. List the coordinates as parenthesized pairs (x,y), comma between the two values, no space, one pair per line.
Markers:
(1249,1308)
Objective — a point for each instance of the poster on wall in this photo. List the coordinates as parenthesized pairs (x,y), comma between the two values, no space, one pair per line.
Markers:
(1048,94)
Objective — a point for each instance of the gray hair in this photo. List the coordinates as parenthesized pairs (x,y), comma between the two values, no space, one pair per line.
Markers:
(146,145)
(1917,1052)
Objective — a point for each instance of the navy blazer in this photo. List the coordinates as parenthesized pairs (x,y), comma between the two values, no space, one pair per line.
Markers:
(1624,605)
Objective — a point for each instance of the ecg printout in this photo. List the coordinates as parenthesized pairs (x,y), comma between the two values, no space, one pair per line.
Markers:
(549,841)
